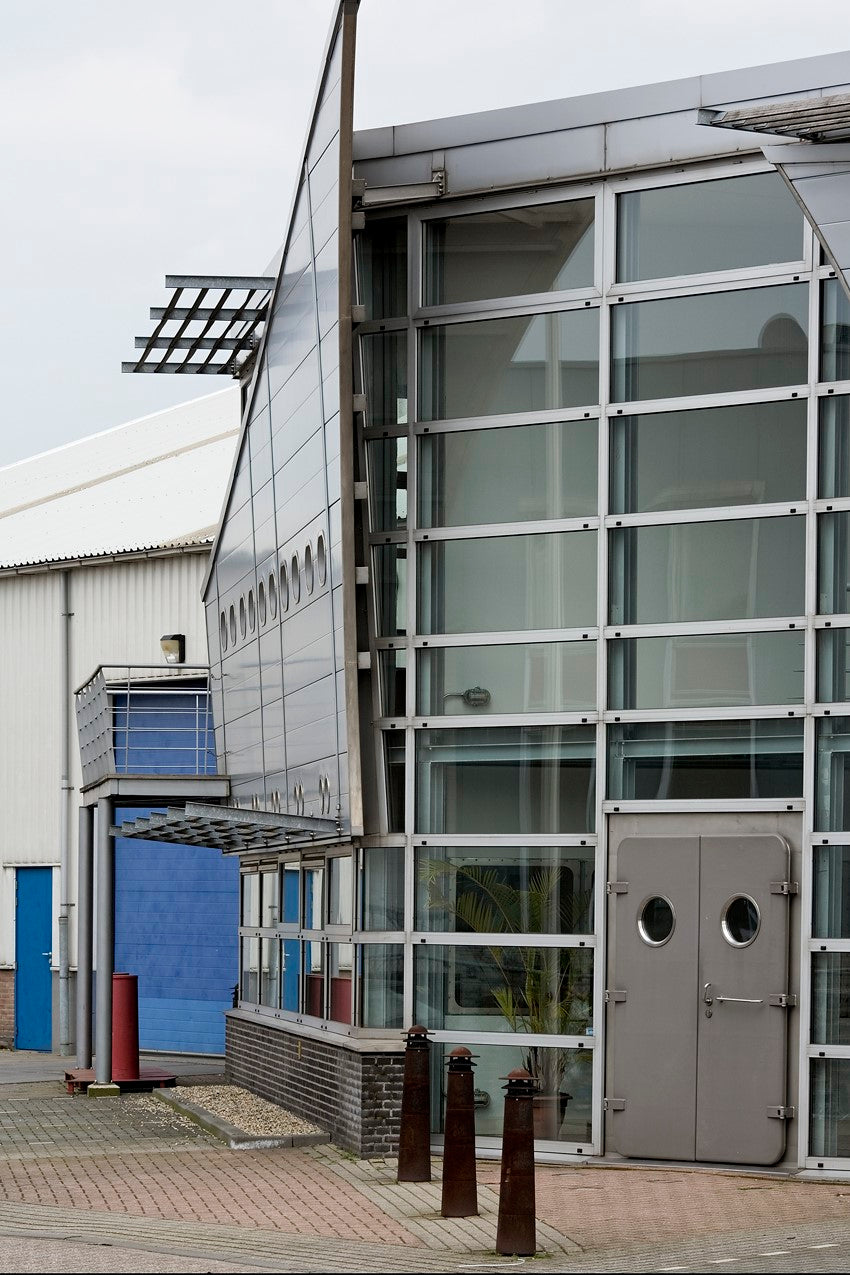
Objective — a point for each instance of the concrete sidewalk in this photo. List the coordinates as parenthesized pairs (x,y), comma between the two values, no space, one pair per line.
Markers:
(23,1066)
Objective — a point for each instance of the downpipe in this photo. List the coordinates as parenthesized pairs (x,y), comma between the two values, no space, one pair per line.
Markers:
(65,790)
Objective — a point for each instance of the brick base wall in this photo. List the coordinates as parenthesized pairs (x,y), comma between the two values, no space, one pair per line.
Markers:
(7,1009)
(355,1096)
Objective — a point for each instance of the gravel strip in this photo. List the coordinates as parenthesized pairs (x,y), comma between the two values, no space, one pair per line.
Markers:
(245,1110)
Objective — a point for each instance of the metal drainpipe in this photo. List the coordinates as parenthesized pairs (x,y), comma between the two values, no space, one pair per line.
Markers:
(65,790)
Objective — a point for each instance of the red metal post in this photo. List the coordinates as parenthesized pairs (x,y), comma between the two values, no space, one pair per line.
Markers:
(414,1142)
(125,1027)
(460,1187)
(517,1207)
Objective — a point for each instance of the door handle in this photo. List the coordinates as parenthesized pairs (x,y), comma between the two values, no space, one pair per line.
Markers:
(706,994)
(47,954)
(741,1000)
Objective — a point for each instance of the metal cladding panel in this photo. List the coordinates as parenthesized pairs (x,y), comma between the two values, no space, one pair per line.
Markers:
(293,479)
(819,178)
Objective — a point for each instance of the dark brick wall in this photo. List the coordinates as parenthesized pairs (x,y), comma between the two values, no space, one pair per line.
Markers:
(355,1096)
(7,1009)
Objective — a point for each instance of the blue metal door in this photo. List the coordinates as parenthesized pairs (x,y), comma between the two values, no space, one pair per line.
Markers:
(33,938)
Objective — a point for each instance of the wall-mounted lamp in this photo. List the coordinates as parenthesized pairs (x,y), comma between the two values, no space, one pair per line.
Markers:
(173,646)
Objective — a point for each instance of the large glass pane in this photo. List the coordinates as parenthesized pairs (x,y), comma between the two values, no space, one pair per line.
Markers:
(393,741)
(270,973)
(393,667)
(831,892)
(340,965)
(833,665)
(542,990)
(509,253)
(290,873)
(835,332)
(505,889)
(250,899)
(742,340)
(831,998)
(382,984)
(561,1111)
(269,900)
(382,888)
(290,967)
(340,898)
(535,779)
(742,455)
(702,226)
(473,681)
(830,1109)
(736,569)
(834,446)
(708,669)
(833,776)
(314,979)
(382,267)
(385,377)
(694,760)
(526,363)
(391,589)
(387,459)
(506,583)
(249,982)
(834,563)
(312,877)
(508,475)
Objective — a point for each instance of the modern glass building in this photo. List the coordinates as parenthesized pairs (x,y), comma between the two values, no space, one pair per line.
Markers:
(528,620)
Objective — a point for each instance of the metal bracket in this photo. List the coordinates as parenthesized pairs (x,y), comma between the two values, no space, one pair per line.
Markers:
(784,887)
(615,996)
(615,1104)
(781,1113)
(785,1000)
(618,887)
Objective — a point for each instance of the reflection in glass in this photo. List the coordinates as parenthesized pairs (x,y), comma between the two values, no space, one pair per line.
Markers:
(340,898)
(505,889)
(340,962)
(509,252)
(290,874)
(533,779)
(708,669)
(666,574)
(740,921)
(387,459)
(314,978)
(833,777)
(312,878)
(561,1114)
(831,998)
(742,340)
(382,267)
(385,373)
(543,990)
(834,563)
(833,665)
(382,984)
(703,226)
(835,332)
(270,973)
(391,589)
(831,892)
(526,363)
(393,666)
(656,921)
(474,681)
(834,446)
(250,899)
(393,741)
(249,988)
(269,900)
(508,475)
(830,1107)
(382,888)
(744,455)
(506,583)
(691,760)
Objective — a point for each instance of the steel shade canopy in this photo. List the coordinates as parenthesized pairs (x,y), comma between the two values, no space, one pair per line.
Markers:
(811,119)
(228,829)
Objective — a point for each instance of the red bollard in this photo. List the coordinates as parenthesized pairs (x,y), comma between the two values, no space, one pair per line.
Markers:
(414,1140)
(517,1205)
(125,1027)
(460,1187)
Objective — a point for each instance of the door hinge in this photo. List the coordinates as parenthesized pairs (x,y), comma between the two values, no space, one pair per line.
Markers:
(784,887)
(785,1000)
(614,996)
(618,887)
(615,1104)
(781,1113)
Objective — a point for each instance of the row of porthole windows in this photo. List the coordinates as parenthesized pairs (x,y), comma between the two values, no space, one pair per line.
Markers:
(281,589)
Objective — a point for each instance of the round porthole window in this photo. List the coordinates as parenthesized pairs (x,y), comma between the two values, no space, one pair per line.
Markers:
(242,625)
(295,578)
(272,595)
(740,921)
(656,920)
(223,631)
(252,611)
(308,568)
(261,601)
(231,615)
(284,588)
(321,561)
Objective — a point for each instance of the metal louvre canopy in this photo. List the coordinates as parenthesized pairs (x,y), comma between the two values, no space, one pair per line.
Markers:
(210,326)
(813,119)
(228,829)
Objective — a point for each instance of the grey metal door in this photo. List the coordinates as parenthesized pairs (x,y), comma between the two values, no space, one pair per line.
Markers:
(696,992)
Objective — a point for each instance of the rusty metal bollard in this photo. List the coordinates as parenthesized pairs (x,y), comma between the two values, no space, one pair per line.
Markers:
(460,1187)
(414,1140)
(516,1229)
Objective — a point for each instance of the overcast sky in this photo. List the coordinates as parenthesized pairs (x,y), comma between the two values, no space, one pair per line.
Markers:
(140,140)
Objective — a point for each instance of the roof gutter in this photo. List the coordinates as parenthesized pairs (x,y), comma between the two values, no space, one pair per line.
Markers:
(103,559)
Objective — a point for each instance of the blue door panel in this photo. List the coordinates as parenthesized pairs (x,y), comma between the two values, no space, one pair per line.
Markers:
(33,939)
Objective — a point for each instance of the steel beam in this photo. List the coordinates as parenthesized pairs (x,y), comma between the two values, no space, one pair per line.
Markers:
(252,282)
(105,941)
(85,899)
(230,313)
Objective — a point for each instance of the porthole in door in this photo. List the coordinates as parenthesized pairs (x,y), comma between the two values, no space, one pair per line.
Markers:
(656,920)
(740,921)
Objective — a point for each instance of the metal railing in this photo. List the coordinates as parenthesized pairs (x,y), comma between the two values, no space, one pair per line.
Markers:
(145,719)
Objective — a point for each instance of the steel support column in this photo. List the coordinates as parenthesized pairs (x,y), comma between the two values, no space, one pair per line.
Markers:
(85,900)
(105,941)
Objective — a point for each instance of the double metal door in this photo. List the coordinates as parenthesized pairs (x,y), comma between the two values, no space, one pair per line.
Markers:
(697,998)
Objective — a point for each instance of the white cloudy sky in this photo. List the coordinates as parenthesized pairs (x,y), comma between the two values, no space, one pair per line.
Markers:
(137,140)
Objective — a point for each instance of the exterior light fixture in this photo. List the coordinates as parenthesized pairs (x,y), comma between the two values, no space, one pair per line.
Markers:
(173,646)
